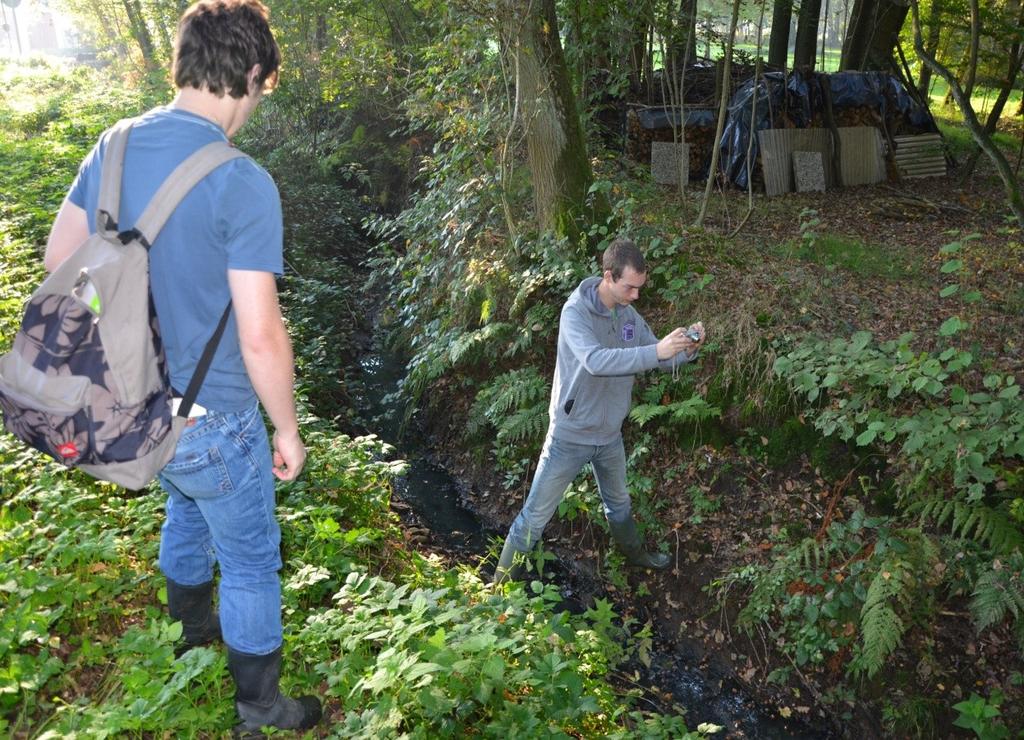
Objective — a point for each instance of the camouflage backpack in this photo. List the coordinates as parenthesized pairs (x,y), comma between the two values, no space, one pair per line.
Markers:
(86,381)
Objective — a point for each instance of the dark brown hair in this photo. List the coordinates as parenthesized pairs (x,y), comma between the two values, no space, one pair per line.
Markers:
(622,253)
(219,41)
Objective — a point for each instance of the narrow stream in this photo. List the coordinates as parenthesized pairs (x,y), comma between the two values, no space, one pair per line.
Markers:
(436,501)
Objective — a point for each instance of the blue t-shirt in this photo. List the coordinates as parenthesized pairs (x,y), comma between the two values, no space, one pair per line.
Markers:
(230,220)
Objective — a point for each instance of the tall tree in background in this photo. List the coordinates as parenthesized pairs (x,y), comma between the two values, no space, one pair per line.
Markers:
(981,138)
(684,45)
(139,33)
(1012,23)
(778,42)
(806,45)
(931,45)
(556,146)
(972,52)
(872,34)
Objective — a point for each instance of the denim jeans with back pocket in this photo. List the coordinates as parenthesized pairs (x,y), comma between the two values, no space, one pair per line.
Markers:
(220,509)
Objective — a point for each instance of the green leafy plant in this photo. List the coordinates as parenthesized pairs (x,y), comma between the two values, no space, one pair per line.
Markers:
(515,406)
(854,592)
(981,715)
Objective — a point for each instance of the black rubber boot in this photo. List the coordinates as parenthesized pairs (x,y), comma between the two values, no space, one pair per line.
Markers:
(193,607)
(258,698)
(628,539)
(510,565)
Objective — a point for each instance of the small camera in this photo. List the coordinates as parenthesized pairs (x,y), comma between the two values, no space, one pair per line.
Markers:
(693,335)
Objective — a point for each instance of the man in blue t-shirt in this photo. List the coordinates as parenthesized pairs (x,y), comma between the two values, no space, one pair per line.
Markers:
(223,243)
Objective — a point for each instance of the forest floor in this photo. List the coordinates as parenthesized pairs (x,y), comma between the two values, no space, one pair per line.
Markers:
(874,266)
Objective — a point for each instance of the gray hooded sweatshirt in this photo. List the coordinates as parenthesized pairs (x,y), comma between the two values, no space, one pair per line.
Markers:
(599,352)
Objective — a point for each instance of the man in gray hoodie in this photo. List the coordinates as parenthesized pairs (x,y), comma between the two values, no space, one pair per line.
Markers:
(602,343)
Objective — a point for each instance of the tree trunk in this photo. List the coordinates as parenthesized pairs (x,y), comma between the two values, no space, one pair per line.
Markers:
(924,81)
(684,46)
(640,62)
(972,58)
(778,42)
(140,32)
(556,148)
(871,37)
(806,46)
(1016,58)
(983,140)
(858,34)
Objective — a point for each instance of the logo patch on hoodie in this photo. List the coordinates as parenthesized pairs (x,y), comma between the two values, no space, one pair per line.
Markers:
(628,332)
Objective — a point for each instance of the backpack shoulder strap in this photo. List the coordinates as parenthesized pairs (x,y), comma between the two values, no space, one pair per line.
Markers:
(111,171)
(177,185)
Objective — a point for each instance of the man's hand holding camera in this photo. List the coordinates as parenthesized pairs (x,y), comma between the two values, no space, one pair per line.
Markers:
(688,340)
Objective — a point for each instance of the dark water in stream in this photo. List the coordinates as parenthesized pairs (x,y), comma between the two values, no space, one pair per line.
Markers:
(434,498)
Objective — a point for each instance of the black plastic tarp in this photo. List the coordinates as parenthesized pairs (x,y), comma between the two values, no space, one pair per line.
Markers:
(798,96)
(671,116)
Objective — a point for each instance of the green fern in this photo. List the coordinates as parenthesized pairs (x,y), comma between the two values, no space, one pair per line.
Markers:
(524,425)
(514,390)
(973,521)
(644,412)
(541,320)
(999,592)
(881,626)
(810,549)
(693,409)
(476,344)
(515,406)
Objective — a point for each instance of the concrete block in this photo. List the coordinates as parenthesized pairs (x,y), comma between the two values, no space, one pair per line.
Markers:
(809,172)
(670,163)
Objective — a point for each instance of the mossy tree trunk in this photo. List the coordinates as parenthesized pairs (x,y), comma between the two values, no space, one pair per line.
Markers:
(555,142)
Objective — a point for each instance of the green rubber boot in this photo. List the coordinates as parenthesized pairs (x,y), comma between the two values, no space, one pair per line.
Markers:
(628,539)
(510,564)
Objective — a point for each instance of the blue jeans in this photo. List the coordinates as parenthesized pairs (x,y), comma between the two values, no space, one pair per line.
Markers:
(220,509)
(560,462)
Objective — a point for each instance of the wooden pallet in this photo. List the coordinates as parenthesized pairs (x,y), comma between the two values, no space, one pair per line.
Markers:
(919,156)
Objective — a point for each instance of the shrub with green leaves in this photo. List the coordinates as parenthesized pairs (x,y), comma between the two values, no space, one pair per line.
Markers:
(854,592)
(954,439)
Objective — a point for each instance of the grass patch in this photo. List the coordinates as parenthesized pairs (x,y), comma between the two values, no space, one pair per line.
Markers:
(982,98)
(961,143)
(847,253)
(832,55)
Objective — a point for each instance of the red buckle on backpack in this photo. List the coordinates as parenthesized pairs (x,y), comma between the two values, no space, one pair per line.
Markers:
(68,449)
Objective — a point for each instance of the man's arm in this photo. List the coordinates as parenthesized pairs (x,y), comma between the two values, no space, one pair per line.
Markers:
(267,353)
(679,348)
(599,360)
(70,229)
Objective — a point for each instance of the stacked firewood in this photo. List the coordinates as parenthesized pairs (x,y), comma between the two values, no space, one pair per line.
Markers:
(638,142)
(895,125)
